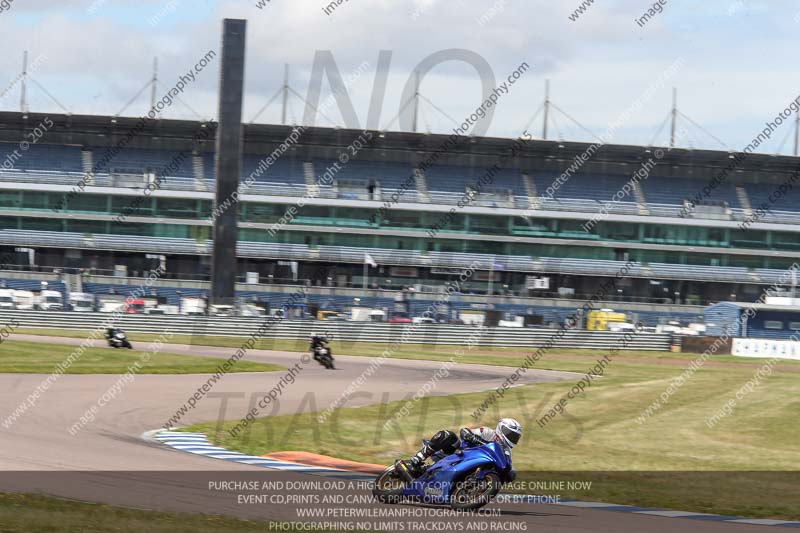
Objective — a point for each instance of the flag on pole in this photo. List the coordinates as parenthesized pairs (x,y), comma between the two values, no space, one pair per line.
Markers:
(368,260)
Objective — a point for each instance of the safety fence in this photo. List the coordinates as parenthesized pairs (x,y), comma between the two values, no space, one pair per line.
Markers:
(347,331)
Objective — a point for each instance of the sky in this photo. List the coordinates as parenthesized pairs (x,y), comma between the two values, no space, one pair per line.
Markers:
(735,63)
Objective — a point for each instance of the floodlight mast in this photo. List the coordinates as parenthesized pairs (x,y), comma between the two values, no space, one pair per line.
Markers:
(546,108)
(674,117)
(23,105)
(228,163)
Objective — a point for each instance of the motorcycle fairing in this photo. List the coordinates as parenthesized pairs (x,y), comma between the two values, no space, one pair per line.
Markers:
(436,483)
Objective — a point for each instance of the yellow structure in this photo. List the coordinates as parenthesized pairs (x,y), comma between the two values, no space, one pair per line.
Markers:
(599,320)
(326,315)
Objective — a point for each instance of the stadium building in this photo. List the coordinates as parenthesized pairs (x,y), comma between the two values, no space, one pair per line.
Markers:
(537,218)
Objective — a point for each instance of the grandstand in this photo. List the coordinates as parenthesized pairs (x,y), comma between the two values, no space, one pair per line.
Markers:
(512,229)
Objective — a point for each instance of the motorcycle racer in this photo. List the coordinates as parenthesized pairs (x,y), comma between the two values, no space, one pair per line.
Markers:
(317,341)
(507,433)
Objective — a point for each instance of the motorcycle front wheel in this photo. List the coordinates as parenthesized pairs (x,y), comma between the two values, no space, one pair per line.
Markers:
(388,487)
(474,493)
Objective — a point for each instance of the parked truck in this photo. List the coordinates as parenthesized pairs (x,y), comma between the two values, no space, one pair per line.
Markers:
(517,322)
(7,299)
(134,307)
(48,300)
(82,302)
(221,310)
(250,309)
(24,300)
(365,314)
(193,306)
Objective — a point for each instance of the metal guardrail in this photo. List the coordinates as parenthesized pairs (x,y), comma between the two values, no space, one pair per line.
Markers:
(433,334)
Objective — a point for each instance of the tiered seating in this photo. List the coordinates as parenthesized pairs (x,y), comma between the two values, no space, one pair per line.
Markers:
(598,187)
(589,202)
(447,185)
(586,193)
(34,285)
(447,178)
(673,191)
(137,161)
(46,157)
(355,176)
(285,170)
(510,180)
(760,193)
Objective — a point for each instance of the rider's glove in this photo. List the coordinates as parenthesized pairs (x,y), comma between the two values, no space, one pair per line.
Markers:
(468,436)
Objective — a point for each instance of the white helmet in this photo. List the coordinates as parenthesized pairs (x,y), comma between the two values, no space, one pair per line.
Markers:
(508,432)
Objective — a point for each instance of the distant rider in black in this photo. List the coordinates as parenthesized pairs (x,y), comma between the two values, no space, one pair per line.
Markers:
(317,341)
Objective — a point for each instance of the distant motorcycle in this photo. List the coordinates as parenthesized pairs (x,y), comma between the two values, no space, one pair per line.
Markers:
(324,356)
(321,350)
(117,339)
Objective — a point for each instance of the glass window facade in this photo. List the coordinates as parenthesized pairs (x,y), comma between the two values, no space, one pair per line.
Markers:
(448,240)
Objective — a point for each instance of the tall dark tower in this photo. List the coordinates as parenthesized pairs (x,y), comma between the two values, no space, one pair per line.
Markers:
(229,161)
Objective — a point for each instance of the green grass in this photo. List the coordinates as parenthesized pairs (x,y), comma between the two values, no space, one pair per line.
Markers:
(41,358)
(649,464)
(23,513)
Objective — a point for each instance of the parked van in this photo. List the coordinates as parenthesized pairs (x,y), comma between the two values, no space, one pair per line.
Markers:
(50,301)
(162,310)
(222,310)
(193,306)
(7,299)
(82,302)
(24,300)
(133,307)
(365,314)
(252,310)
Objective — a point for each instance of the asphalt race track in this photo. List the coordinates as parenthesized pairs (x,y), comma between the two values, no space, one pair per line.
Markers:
(108,461)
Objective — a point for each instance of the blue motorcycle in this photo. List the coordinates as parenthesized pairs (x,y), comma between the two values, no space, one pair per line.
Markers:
(466,479)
